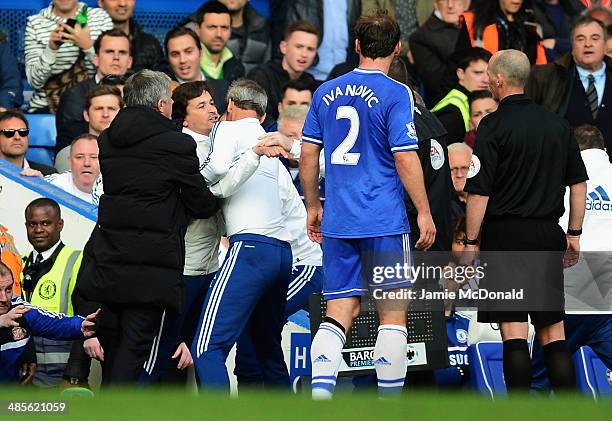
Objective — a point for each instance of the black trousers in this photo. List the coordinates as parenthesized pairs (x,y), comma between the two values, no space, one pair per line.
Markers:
(126,333)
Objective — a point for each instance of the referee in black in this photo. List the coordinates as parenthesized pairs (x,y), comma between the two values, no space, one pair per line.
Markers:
(527,157)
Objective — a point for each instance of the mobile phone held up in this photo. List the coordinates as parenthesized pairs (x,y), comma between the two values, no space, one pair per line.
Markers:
(70,22)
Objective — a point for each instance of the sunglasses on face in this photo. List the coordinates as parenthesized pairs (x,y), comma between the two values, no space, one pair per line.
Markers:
(11,132)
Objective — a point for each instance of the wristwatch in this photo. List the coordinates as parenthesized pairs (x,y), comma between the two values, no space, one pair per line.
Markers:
(574,233)
(467,242)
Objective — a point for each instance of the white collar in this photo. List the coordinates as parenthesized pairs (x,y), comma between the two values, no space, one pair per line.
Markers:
(198,137)
(47,253)
(181,81)
(26,164)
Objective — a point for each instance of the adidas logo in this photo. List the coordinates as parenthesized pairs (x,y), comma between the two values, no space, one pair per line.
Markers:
(322,359)
(382,361)
(598,200)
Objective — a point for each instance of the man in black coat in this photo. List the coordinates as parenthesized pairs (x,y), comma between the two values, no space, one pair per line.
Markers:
(133,262)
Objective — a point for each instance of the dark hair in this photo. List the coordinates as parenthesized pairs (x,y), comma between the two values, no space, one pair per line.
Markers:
(102,89)
(486,12)
(118,33)
(481,94)
(42,202)
(470,55)
(179,31)
(589,137)
(86,136)
(8,114)
(301,26)
(5,271)
(378,34)
(298,85)
(587,20)
(185,93)
(211,7)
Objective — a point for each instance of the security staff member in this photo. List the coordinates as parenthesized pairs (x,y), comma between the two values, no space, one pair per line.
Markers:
(48,279)
(527,158)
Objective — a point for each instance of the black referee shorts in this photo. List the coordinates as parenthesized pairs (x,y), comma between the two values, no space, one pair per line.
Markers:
(523,254)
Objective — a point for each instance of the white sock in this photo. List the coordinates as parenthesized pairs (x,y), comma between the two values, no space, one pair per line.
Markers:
(390,359)
(326,355)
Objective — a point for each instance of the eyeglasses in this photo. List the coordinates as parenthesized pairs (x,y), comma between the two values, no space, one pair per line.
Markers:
(11,132)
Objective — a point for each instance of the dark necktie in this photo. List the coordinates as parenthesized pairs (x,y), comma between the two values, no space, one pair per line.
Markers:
(38,260)
(592,96)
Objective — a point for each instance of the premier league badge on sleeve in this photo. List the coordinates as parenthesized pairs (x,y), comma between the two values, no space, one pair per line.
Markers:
(411,130)
(19,333)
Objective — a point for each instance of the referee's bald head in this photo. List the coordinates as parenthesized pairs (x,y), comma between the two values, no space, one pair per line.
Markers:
(512,65)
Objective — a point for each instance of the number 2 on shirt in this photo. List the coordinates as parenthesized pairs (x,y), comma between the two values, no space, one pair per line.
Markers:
(341,155)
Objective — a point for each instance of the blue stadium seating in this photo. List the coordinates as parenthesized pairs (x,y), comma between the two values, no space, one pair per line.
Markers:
(42,138)
(486,368)
(592,376)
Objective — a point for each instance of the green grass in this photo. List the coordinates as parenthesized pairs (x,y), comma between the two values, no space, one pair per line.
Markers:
(177,405)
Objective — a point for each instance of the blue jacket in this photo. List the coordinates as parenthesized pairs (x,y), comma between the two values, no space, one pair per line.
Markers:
(36,322)
(11,89)
(457,331)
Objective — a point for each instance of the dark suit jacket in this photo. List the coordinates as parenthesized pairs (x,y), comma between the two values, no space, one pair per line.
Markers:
(44,169)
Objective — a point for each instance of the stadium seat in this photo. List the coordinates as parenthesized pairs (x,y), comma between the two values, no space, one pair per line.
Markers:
(42,138)
(486,368)
(592,376)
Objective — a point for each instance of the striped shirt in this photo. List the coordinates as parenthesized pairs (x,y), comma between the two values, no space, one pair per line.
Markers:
(41,62)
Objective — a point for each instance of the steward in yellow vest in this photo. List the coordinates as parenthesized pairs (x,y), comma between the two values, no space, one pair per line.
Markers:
(48,280)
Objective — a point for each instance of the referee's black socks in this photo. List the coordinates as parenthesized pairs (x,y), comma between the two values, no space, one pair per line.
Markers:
(561,370)
(517,366)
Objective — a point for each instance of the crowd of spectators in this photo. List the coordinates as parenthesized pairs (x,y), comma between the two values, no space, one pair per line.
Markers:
(77,60)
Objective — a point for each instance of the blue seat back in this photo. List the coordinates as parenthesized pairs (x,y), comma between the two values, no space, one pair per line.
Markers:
(592,376)
(42,138)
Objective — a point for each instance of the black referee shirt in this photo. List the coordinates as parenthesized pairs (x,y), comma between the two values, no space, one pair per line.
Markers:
(527,157)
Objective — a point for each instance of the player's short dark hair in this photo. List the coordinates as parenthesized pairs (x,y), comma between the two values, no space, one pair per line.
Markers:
(8,114)
(117,33)
(213,6)
(102,89)
(186,92)
(589,137)
(43,202)
(5,272)
(471,55)
(587,19)
(301,26)
(479,94)
(179,31)
(86,136)
(298,85)
(378,34)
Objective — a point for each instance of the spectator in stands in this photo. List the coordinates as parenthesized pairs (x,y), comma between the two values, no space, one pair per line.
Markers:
(14,131)
(501,25)
(574,85)
(299,50)
(454,109)
(556,18)
(146,51)
(184,53)
(250,38)
(49,277)
(113,56)
(482,104)
(84,168)
(58,56)
(11,95)
(334,21)
(460,160)
(432,46)
(214,28)
(294,92)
